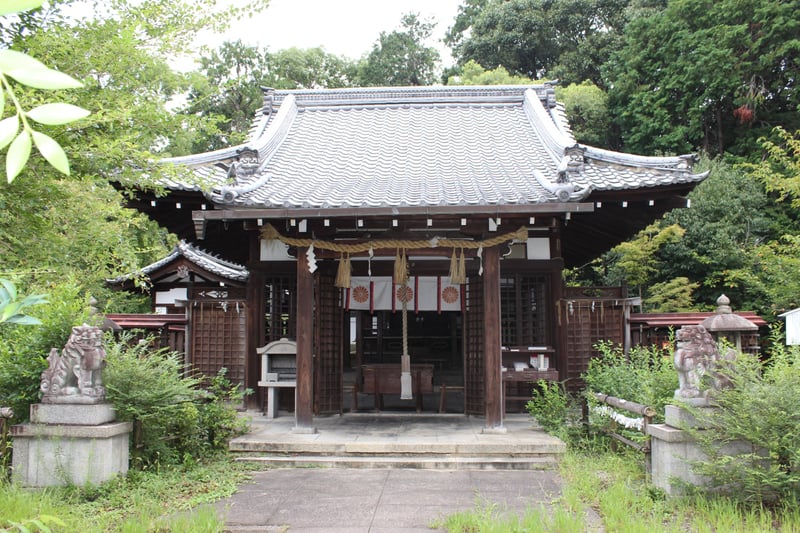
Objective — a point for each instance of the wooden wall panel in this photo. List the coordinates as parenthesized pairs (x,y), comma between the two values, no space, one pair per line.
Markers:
(328,375)
(586,322)
(218,330)
(474,386)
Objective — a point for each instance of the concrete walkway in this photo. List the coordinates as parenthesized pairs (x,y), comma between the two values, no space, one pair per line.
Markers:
(395,489)
(346,500)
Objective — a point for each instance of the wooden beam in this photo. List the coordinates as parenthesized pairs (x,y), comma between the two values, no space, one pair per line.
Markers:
(491,338)
(544,208)
(305,344)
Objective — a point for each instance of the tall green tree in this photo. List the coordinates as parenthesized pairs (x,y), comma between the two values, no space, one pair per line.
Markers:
(310,68)
(709,74)
(228,85)
(779,170)
(54,228)
(401,58)
(569,40)
(586,106)
(474,74)
(464,20)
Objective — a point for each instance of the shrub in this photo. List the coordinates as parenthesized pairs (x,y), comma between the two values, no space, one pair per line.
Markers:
(175,419)
(760,413)
(218,415)
(645,375)
(556,411)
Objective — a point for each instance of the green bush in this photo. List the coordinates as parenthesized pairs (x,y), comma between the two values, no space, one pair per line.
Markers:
(556,411)
(218,416)
(644,375)
(759,412)
(175,419)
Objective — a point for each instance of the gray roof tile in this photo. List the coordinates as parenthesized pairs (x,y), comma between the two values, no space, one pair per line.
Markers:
(431,146)
(201,258)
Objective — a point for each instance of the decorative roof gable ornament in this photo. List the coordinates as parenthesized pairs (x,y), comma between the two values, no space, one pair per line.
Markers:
(571,166)
(247,163)
(246,166)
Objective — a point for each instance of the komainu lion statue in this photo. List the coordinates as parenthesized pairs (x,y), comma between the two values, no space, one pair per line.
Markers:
(696,355)
(75,376)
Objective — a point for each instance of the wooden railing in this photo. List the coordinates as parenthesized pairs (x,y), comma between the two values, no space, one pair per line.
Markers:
(647,413)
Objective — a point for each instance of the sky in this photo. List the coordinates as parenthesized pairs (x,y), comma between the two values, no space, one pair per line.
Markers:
(342,27)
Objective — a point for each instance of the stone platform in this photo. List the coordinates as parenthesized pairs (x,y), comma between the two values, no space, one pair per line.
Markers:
(69,444)
(401,440)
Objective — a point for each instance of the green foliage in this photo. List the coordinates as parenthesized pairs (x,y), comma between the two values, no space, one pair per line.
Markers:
(731,240)
(217,411)
(12,307)
(27,71)
(751,435)
(667,96)
(310,68)
(634,261)
(227,88)
(556,411)
(53,229)
(401,58)
(671,296)
(586,106)
(24,351)
(175,420)
(474,74)
(569,40)
(171,499)
(491,518)
(644,375)
(780,170)
(728,221)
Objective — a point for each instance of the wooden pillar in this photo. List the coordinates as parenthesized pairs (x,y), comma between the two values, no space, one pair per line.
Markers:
(491,339)
(255,336)
(305,345)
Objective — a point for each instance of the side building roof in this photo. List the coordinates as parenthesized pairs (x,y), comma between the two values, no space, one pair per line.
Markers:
(184,260)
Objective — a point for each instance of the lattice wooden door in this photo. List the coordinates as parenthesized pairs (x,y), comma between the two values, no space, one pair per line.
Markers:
(474,386)
(218,331)
(328,342)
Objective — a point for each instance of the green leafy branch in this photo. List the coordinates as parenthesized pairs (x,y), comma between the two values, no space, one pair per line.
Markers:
(32,73)
(11,306)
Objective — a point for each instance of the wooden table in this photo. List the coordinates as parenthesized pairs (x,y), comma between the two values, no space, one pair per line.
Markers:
(380,379)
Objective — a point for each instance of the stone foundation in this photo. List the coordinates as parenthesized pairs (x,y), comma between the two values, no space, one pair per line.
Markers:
(674,450)
(69,445)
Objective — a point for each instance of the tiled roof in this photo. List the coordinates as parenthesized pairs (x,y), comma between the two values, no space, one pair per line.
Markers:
(428,146)
(201,258)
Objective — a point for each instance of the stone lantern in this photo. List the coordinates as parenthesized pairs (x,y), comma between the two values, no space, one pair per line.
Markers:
(724,324)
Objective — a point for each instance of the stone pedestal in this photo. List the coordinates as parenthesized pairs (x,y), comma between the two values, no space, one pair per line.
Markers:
(68,444)
(673,451)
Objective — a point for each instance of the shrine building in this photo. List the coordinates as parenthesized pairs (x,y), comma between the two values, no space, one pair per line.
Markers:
(371,224)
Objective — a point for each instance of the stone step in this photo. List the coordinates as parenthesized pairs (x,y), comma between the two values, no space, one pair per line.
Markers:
(541,462)
(397,448)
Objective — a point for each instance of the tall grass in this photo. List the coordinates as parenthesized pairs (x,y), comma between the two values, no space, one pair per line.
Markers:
(605,491)
(172,499)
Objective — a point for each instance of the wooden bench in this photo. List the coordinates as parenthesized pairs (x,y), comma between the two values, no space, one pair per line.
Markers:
(380,379)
